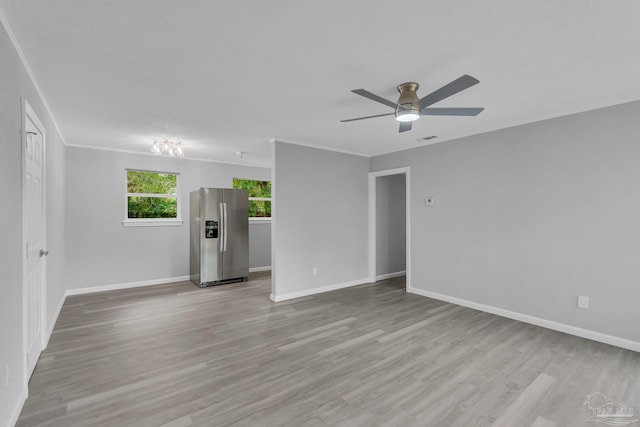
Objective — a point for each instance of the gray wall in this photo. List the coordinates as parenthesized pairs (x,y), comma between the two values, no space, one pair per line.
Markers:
(259,245)
(102,251)
(321,218)
(527,218)
(391,225)
(15,85)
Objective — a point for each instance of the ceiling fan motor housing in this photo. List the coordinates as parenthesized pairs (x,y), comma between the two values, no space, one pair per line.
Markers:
(408,93)
(409,100)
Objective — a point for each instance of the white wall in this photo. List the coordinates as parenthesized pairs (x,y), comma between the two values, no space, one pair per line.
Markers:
(320,220)
(15,84)
(100,250)
(528,218)
(390,224)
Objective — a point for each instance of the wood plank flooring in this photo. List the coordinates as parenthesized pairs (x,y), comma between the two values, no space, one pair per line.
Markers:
(177,356)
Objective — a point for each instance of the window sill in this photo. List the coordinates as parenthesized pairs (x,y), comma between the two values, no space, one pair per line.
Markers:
(151,223)
(259,220)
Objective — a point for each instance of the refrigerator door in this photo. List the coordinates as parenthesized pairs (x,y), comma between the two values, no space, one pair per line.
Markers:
(235,243)
(194,236)
(211,222)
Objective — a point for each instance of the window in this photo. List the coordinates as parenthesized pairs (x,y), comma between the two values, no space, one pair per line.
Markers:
(152,198)
(259,196)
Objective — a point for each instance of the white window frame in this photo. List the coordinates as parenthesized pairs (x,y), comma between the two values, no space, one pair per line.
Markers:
(152,222)
(266,199)
(261,218)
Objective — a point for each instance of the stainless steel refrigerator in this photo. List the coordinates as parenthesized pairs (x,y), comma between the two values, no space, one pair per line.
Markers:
(219,236)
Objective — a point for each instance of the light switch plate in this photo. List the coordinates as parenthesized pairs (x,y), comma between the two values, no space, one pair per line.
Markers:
(429,201)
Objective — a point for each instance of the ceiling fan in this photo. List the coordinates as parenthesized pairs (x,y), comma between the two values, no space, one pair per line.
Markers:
(409,107)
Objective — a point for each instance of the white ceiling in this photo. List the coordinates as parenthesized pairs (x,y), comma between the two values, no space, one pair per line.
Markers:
(230,75)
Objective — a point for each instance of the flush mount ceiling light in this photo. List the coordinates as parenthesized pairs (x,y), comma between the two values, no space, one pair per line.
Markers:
(167,148)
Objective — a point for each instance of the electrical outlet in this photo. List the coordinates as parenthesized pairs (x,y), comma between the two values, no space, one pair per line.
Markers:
(583,302)
(315,271)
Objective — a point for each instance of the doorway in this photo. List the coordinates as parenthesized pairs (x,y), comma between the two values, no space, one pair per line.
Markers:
(386,229)
(34,238)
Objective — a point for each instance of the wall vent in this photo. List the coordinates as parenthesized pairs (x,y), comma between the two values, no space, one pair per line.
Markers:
(427,138)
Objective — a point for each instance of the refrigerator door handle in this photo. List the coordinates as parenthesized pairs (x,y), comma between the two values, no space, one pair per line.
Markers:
(225,226)
(221,227)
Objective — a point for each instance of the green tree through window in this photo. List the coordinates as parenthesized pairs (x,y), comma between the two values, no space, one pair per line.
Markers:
(259,196)
(152,195)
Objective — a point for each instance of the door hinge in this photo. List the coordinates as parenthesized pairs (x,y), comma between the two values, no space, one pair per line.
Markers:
(27,250)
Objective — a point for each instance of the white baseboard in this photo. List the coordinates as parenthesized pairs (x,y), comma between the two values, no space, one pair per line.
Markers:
(390,275)
(103,288)
(314,291)
(55,319)
(20,404)
(256,269)
(561,327)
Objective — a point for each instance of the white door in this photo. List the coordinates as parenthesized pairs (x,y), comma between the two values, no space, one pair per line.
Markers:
(34,235)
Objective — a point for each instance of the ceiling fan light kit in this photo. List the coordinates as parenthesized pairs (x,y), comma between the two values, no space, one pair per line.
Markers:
(409,107)
(407,115)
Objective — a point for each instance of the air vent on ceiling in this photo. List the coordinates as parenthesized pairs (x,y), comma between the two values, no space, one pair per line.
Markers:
(427,138)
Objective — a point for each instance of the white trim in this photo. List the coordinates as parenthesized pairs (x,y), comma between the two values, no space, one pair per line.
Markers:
(27,67)
(406,171)
(145,153)
(257,219)
(549,324)
(387,172)
(29,114)
(390,275)
(117,286)
(314,291)
(257,269)
(274,204)
(408,230)
(18,409)
(166,196)
(55,319)
(258,199)
(320,147)
(151,222)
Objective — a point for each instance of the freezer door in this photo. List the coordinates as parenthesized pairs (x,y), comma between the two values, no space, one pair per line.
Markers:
(236,234)
(211,202)
(194,236)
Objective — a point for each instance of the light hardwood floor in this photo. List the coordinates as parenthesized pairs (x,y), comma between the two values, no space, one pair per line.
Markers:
(176,355)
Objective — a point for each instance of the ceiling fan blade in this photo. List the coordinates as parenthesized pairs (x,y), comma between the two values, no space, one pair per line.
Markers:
(374,97)
(368,117)
(404,126)
(451,111)
(458,85)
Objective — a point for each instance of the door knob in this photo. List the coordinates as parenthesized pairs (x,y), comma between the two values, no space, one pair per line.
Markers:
(43,253)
